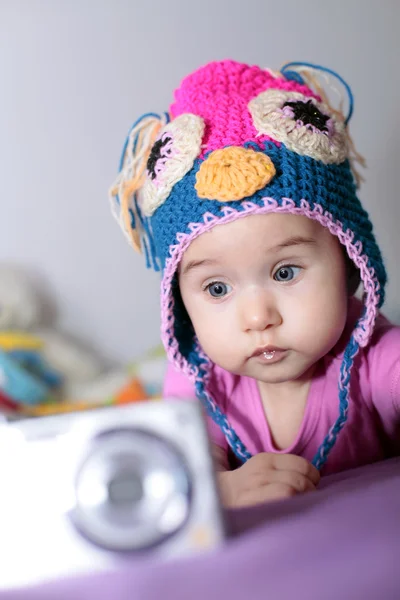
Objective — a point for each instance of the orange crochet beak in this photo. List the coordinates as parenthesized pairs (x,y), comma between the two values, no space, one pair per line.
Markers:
(233,173)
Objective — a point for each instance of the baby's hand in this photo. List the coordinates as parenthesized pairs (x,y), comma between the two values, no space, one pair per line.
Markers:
(266,477)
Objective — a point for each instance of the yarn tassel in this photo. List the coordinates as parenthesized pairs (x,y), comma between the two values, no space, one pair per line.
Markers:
(132,167)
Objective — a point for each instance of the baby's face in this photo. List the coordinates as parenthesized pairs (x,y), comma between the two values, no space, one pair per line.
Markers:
(267,294)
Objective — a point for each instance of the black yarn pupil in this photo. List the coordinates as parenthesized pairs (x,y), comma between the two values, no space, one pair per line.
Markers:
(155,154)
(309,114)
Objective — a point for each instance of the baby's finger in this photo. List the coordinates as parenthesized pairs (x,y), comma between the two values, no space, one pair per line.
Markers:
(266,493)
(301,483)
(291,462)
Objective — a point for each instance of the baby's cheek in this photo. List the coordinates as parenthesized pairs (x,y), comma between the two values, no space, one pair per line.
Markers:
(318,331)
(207,332)
(218,343)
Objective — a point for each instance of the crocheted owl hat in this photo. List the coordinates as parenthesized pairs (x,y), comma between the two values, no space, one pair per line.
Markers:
(178,179)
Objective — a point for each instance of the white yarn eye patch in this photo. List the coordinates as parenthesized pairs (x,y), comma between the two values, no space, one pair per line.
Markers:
(171,157)
(303,124)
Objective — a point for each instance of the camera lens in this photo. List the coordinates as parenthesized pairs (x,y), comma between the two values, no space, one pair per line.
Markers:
(125,488)
(132,490)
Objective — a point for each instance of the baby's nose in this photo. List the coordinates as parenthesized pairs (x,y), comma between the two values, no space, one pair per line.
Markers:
(233,173)
(258,310)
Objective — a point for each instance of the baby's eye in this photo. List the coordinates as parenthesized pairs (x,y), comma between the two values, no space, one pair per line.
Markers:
(217,289)
(171,157)
(303,124)
(286,273)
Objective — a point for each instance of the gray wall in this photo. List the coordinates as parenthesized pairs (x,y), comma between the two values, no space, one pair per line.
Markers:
(74,75)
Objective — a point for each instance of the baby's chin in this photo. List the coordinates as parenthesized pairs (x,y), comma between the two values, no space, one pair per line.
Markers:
(284,371)
(280,373)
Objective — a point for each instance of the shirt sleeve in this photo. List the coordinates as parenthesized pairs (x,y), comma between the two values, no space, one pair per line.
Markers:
(178,385)
(384,368)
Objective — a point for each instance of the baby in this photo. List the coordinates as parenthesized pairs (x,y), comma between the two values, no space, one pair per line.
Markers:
(244,196)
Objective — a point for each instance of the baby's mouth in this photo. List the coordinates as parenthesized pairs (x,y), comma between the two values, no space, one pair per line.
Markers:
(269,354)
(268,351)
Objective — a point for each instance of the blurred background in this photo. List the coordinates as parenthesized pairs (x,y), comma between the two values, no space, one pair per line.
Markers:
(74,75)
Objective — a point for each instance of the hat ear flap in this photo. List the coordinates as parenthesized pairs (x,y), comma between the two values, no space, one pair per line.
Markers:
(131,176)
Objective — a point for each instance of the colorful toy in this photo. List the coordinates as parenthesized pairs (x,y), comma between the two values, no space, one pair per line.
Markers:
(44,372)
(19,385)
(25,378)
(133,391)
(24,327)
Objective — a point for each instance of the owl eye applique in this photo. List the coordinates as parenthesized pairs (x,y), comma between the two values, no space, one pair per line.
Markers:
(159,154)
(171,157)
(303,124)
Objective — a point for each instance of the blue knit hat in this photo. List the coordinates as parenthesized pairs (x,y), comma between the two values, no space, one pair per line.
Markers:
(293,154)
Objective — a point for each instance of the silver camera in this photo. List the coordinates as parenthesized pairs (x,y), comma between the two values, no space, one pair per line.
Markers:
(89,491)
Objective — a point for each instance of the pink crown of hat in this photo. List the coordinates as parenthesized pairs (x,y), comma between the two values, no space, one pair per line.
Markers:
(220,93)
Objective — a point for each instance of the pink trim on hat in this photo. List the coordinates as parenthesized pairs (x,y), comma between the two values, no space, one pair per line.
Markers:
(365,327)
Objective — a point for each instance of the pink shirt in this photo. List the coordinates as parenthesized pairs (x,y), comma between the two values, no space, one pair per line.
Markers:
(372,430)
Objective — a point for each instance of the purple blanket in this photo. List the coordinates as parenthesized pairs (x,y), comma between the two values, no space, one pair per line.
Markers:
(342,542)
